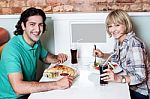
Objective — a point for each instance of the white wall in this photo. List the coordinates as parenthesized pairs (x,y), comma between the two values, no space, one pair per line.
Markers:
(142,27)
(62,31)
(8,22)
(58,36)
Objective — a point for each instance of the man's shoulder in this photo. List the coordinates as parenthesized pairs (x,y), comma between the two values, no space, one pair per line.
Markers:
(12,45)
(15,40)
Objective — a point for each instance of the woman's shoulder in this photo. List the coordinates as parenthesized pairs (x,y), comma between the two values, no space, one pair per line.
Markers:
(137,42)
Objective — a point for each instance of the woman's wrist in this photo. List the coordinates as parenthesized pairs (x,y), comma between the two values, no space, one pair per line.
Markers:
(102,55)
(122,78)
(117,78)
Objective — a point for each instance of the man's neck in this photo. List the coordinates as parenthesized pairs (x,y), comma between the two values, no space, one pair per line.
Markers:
(28,41)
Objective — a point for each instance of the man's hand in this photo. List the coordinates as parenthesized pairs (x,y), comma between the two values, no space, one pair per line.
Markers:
(55,59)
(62,58)
(65,82)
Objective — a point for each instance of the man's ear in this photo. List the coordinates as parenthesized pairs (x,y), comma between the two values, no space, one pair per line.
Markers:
(22,25)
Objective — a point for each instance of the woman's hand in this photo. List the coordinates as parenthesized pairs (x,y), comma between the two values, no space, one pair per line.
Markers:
(109,75)
(98,53)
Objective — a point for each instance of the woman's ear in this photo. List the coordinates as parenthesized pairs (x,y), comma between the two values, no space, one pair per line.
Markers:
(22,25)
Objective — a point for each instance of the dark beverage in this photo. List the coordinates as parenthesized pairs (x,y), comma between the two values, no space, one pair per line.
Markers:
(73,56)
(102,68)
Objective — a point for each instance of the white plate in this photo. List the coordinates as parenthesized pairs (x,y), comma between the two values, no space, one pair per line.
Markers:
(77,73)
(116,70)
(46,79)
(93,69)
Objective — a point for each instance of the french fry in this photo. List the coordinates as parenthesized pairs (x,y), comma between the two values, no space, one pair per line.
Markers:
(110,65)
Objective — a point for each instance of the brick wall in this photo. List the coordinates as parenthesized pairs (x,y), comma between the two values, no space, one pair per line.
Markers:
(55,6)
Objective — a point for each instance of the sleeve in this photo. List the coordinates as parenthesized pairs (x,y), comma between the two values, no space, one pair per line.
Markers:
(11,60)
(43,52)
(136,64)
(115,56)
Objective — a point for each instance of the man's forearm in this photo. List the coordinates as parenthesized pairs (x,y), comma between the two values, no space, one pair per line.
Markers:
(51,58)
(25,87)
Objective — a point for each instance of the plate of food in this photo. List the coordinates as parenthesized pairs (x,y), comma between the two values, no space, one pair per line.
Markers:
(58,71)
(95,68)
(112,65)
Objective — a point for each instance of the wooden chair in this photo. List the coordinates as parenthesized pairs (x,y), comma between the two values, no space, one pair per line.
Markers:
(4,37)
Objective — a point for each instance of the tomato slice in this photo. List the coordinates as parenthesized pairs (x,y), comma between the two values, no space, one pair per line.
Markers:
(115,65)
(97,68)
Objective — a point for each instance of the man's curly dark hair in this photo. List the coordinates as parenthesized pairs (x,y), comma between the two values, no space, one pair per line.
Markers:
(24,18)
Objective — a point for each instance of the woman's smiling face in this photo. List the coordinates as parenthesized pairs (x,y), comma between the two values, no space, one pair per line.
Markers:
(117,31)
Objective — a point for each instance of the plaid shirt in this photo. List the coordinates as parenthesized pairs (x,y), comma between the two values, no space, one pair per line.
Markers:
(132,57)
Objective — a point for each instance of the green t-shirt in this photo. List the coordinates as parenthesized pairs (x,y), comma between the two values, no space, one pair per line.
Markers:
(18,56)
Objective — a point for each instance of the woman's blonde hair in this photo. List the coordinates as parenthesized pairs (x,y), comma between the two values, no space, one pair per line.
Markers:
(119,17)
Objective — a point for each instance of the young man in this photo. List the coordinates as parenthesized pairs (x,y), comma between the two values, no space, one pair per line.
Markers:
(19,59)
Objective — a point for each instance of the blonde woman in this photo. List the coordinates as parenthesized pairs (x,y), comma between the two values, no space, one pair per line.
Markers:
(129,53)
